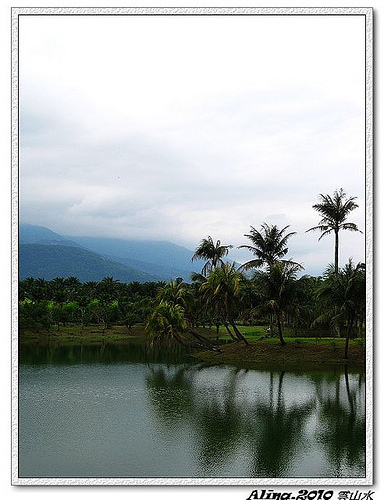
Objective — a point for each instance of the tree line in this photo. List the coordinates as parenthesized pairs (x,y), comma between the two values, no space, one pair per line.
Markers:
(229,296)
(265,290)
(48,305)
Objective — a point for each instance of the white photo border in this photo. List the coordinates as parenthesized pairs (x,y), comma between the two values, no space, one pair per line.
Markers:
(196,11)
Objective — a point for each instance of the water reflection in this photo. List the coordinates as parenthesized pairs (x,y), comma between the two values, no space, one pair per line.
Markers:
(102,352)
(279,431)
(273,434)
(219,426)
(189,419)
(170,392)
(342,431)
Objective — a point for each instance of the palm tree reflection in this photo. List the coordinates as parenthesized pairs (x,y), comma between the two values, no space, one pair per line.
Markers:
(225,427)
(170,391)
(258,433)
(276,433)
(342,433)
(219,427)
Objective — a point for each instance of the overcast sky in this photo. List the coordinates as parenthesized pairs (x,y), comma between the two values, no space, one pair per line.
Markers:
(175,128)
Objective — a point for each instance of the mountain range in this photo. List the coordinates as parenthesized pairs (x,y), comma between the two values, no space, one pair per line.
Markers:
(46,254)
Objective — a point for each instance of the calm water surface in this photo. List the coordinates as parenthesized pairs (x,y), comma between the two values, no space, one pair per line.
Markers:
(116,411)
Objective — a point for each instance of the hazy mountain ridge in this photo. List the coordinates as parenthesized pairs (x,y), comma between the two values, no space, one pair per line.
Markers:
(127,260)
(160,256)
(51,261)
(31,234)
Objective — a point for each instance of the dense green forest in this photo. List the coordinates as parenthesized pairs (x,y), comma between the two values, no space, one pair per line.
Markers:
(265,291)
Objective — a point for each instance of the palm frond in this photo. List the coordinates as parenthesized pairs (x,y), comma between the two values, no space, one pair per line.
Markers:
(350,226)
(252,264)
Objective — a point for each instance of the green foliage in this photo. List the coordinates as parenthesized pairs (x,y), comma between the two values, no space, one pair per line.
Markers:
(67,300)
(334,211)
(268,245)
(342,298)
(212,252)
(167,322)
(221,296)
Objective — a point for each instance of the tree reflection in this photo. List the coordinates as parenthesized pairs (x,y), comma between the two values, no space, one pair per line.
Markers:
(170,392)
(268,433)
(213,417)
(342,432)
(219,425)
(100,352)
(277,431)
(226,428)
(232,423)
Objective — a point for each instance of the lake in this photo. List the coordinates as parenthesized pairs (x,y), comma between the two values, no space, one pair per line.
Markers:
(124,411)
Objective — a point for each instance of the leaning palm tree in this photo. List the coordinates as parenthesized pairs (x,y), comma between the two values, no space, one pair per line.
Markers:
(172,317)
(212,252)
(167,322)
(222,288)
(335,210)
(174,293)
(268,245)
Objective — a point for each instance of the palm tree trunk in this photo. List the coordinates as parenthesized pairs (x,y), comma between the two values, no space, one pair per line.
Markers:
(280,328)
(206,343)
(217,320)
(240,336)
(349,329)
(336,252)
(231,321)
(229,332)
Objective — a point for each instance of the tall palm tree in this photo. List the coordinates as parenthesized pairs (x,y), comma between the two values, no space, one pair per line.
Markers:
(212,252)
(335,210)
(269,245)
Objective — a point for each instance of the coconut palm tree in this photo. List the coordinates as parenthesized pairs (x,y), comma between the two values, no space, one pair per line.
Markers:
(172,316)
(108,289)
(174,293)
(342,296)
(223,288)
(279,287)
(334,211)
(212,252)
(167,322)
(269,245)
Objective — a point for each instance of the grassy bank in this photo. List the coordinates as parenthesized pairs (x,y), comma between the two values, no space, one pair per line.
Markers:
(263,352)
(299,353)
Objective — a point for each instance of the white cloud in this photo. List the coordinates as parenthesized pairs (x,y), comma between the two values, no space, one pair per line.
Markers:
(179,127)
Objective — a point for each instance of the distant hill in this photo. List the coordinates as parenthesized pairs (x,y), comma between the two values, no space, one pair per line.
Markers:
(29,233)
(142,260)
(158,257)
(51,261)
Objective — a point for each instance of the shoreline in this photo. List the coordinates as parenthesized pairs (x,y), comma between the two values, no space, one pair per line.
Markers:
(293,356)
(297,354)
